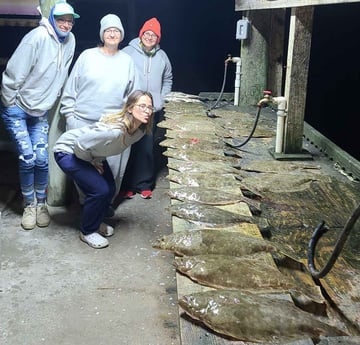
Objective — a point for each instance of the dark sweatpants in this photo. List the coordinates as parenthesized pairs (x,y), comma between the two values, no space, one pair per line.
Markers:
(98,189)
(140,170)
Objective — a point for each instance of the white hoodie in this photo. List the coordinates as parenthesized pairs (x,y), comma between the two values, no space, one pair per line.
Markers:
(37,70)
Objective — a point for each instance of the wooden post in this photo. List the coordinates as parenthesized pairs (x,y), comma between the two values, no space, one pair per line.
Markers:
(254,59)
(262,56)
(296,76)
(276,52)
(45,6)
(58,187)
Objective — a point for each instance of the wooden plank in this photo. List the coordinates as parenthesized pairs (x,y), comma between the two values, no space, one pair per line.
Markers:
(296,77)
(243,5)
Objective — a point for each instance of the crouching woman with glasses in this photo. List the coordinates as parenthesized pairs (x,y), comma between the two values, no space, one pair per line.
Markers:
(81,153)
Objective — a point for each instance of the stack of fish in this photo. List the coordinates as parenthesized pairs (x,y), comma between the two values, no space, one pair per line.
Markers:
(246,287)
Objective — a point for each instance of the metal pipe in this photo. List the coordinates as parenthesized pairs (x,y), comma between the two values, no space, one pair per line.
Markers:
(237,60)
(280,126)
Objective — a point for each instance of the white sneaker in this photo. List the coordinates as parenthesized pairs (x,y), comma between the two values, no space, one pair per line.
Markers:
(42,215)
(28,221)
(106,230)
(94,240)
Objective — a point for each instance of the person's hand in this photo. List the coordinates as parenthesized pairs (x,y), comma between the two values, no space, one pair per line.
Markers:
(99,167)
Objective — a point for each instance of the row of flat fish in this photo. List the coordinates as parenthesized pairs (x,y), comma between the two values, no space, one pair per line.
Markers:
(235,265)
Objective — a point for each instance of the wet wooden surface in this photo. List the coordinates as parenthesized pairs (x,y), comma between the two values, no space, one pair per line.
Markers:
(294,196)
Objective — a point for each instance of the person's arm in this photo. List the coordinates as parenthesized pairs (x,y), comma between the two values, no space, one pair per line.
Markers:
(97,143)
(17,70)
(132,80)
(68,98)
(167,80)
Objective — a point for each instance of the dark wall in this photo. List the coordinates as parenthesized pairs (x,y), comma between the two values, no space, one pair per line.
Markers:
(334,75)
(197,36)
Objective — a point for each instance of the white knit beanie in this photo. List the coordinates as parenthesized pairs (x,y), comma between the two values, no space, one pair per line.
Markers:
(110,21)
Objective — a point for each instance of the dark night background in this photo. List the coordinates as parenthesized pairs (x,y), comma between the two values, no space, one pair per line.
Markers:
(198,36)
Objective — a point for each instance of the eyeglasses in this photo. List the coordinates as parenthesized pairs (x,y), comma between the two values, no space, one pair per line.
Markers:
(112,31)
(149,35)
(144,107)
(63,21)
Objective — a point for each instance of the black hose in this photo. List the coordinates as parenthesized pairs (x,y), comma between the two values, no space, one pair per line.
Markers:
(317,234)
(251,133)
(208,112)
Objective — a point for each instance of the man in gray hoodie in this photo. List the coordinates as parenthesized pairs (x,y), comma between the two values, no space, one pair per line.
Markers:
(154,74)
(30,86)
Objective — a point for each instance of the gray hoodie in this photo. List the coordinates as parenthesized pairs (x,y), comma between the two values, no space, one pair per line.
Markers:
(153,72)
(95,142)
(37,70)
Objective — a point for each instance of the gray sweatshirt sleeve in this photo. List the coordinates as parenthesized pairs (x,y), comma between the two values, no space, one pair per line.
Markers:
(69,94)
(17,70)
(91,146)
(167,78)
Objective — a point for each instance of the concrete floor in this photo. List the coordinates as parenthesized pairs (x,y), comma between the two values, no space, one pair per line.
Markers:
(56,290)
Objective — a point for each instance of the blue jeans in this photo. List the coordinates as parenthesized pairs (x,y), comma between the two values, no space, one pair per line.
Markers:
(30,135)
(99,189)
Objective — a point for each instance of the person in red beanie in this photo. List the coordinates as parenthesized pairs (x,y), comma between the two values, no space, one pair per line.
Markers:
(154,75)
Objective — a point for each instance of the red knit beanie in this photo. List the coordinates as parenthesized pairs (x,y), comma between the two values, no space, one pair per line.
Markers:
(151,25)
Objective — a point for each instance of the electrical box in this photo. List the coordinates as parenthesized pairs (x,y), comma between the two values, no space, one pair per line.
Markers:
(242,29)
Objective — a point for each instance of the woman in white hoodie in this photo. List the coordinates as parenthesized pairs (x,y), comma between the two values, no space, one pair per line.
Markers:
(31,83)
(99,83)
(81,153)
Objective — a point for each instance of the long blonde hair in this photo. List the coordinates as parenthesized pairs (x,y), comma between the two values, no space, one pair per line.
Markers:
(124,118)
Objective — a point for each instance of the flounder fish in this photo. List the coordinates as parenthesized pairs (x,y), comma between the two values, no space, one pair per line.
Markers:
(208,241)
(249,272)
(205,135)
(265,319)
(196,144)
(182,97)
(203,156)
(201,167)
(207,216)
(200,125)
(212,196)
(204,180)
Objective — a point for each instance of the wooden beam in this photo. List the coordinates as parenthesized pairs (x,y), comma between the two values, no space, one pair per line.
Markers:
(297,68)
(19,22)
(244,5)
